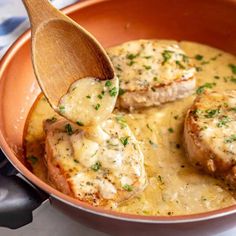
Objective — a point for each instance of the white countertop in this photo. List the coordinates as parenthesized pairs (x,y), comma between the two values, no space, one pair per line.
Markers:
(48,221)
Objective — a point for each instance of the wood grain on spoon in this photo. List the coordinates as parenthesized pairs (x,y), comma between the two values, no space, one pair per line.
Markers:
(62,51)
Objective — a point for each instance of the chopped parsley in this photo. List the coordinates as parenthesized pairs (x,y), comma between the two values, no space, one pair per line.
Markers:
(205,62)
(223,121)
(180,64)
(233,68)
(53,119)
(130,63)
(108,83)
(88,96)
(100,96)
(121,120)
(232,138)
(176,117)
(198,68)
(127,187)
(79,123)
(96,166)
(61,109)
(233,79)
(118,68)
(202,88)
(113,91)
(198,57)
(32,159)
(155,79)
(233,109)
(69,129)
(97,106)
(210,113)
(148,57)
(121,91)
(216,77)
(132,56)
(171,130)
(160,179)
(147,67)
(152,143)
(148,126)
(166,54)
(124,140)
(76,161)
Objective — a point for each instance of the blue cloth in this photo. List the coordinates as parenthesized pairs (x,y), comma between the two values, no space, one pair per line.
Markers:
(14,20)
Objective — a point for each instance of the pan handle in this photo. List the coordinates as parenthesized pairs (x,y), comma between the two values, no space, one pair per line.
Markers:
(18,198)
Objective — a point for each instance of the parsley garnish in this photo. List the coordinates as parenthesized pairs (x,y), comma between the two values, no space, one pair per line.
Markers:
(171,130)
(179,64)
(121,120)
(118,68)
(132,56)
(166,54)
(231,139)
(130,63)
(97,106)
(233,79)
(108,83)
(198,57)
(53,119)
(113,92)
(121,91)
(127,187)
(147,67)
(124,140)
(233,68)
(148,126)
(88,96)
(68,129)
(212,113)
(152,143)
(201,89)
(148,57)
(223,121)
(96,166)
(79,123)
(216,77)
(61,109)
(100,96)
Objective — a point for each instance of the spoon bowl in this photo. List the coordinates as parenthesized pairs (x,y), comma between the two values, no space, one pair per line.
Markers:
(62,51)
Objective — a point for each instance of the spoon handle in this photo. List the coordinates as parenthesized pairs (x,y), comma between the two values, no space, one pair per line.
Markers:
(40,11)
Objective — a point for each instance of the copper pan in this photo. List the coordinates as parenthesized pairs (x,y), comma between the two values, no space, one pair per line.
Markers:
(211,22)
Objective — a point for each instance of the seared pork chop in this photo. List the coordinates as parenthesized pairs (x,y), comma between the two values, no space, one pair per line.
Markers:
(210,134)
(151,72)
(98,165)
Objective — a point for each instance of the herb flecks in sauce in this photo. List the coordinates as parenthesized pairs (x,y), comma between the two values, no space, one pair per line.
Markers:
(202,88)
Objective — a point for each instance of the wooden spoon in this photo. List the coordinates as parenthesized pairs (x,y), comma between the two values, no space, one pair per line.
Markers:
(62,51)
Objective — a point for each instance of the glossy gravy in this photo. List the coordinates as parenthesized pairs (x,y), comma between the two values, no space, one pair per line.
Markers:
(174,186)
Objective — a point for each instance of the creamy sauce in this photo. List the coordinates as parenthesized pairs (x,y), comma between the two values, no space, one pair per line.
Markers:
(103,164)
(144,64)
(174,186)
(89,101)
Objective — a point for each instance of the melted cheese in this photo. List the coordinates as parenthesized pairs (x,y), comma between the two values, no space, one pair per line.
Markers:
(145,64)
(174,186)
(216,113)
(89,101)
(111,167)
